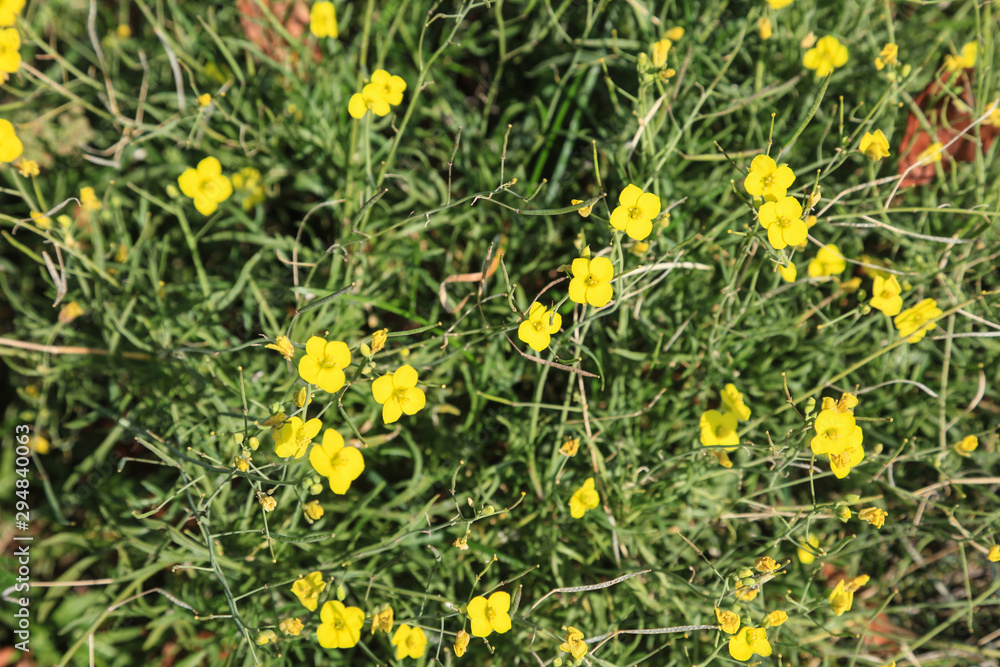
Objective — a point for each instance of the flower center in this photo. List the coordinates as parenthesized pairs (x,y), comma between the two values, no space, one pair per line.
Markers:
(721,432)
(208,188)
(634,213)
(490,614)
(840,460)
(539,326)
(399,395)
(591,281)
(783,222)
(832,434)
(767,181)
(338,624)
(328,362)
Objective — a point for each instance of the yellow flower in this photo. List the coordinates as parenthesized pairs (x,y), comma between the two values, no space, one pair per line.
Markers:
(783,221)
(341,627)
(719,429)
(933,153)
(89,200)
(274,420)
(537,330)
(248,182)
(369,99)
(764,27)
(835,432)
(842,463)
(39,444)
(265,636)
(10,53)
(383,621)
(774,619)
(490,615)
(324,363)
(378,340)
(10,146)
(846,404)
(591,281)
(70,312)
(828,262)
(967,445)
(339,464)
(323,20)
(391,87)
(290,626)
(409,642)
(888,56)
(461,643)
(242,463)
(40,220)
(206,185)
(635,212)
(313,511)
(885,295)
(294,438)
(748,641)
(204,100)
(875,146)
(675,33)
(807,557)
(9,9)
(729,621)
(788,273)
(282,345)
(28,168)
(301,397)
(660,51)
(851,585)
(733,400)
(124,31)
(765,564)
(308,588)
(574,643)
(967,59)
(766,179)
(267,502)
(994,554)
(746,593)
(721,457)
(827,55)
(585,211)
(779,4)
(841,599)
(398,393)
(873,515)
(570,447)
(585,498)
(916,321)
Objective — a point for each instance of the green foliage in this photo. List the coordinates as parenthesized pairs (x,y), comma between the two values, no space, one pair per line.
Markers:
(442,222)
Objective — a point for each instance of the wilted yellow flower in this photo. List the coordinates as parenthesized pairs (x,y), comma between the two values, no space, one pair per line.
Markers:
(933,153)
(267,502)
(875,146)
(383,621)
(28,168)
(313,511)
(301,397)
(774,619)
(290,626)
(242,463)
(584,499)
(204,100)
(584,211)
(873,515)
(461,643)
(746,593)
(967,445)
(840,599)
(379,339)
(828,262)
(729,621)
(574,643)
(888,56)
(282,345)
(765,564)
(70,312)
(265,636)
(570,447)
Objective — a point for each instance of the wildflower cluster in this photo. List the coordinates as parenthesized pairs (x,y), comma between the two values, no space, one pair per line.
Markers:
(718,429)
(838,437)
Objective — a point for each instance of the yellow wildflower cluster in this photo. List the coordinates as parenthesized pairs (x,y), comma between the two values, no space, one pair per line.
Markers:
(838,436)
(718,429)
(384,92)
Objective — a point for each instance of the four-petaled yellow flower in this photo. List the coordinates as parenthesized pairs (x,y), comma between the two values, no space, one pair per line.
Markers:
(828,262)
(9,9)
(733,400)
(774,619)
(766,179)
(206,185)
(591,281)
(383,621)
(390,86)
(324,363)
(840,438)
(461,643)
(537,330)
(875,146)
(827,55)
(967,445)
(291,626)
(584,499)
(574,643)
(873,515)
(888,56)
(783,221)
(635,212)
(719,429)
(916,321)
(409,642)
(398,393)
(323,20)
(10,53)
(283,346)
(294,437)
(341,627)
(308,588)
(339,464)
(729,621)
(10,146)
(490,615)
(748,641)
(885,295)
(369,99)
